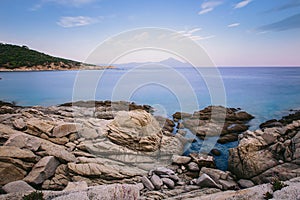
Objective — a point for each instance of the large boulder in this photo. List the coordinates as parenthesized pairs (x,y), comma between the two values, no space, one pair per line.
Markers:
(137,130)
(216,121)
(264,153)
(42,170)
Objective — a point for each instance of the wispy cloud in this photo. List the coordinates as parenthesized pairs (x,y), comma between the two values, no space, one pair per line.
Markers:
(233,25)
(292,22)
(190,34)
(242,4)
(209,6)
(68,22)
(287,5)
(72,3)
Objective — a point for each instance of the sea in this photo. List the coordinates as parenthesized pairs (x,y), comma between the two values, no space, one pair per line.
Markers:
(265,92)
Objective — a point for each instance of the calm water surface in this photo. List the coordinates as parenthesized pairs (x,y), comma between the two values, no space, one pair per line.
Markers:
(266,93)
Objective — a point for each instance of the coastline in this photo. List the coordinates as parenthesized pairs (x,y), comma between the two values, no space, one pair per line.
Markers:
(55,67)
(81,145)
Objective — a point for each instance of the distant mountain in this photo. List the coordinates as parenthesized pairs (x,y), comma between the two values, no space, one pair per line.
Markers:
(172,62)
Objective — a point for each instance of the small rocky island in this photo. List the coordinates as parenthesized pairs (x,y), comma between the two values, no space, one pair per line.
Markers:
(120,150)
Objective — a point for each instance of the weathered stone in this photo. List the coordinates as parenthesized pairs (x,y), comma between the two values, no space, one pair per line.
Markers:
(57,151)
(23,141)
(17,186)
(147,183)
(82,185)
(243,183)
(205,181)
(87,133)
(181,115)
(215,174)
(156,181)
(64,129)
(19,124)
(60,141)
(163,171)
(168,182)
(192,166)
(228,184)
(37,127)
(203,160)
(137,130)
(42,170)
(15,152)
(10,173)
(95,170)
(181,160)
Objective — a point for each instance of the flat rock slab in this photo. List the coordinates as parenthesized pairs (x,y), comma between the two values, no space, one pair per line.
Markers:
(17,186)
(65,129)
(15,152)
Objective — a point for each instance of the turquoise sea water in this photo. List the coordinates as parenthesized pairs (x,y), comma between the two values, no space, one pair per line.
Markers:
(266,93)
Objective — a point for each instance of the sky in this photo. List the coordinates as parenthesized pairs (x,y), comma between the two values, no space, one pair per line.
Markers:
(232,32)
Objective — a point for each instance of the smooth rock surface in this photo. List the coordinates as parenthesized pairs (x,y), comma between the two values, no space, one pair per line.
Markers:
(17,186)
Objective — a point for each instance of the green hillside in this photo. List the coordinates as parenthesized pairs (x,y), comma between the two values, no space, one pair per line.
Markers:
(13,56)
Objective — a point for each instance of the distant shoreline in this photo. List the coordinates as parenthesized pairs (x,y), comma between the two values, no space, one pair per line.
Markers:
(41,69)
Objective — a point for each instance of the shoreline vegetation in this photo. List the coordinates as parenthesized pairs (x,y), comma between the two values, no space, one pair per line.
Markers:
(106,150)
(21,58)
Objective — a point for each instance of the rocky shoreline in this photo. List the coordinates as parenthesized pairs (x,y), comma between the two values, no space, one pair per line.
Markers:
(119,150)
(55,67)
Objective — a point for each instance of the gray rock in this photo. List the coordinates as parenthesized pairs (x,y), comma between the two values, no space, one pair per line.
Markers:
(228,184)
(140,186)
(180,160)
(168,182)
(81,185)
(243,183)
(192,166)
(156,181)
(88,133)
(42,170)
(17,186)
(205,181)
(147,183)
(19,124)
(163,171)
